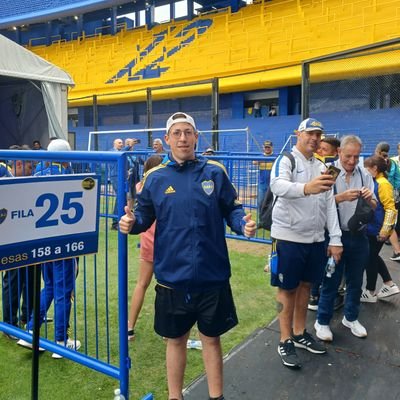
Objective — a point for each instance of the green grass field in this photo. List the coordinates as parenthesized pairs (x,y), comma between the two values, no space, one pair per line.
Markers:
(64,379)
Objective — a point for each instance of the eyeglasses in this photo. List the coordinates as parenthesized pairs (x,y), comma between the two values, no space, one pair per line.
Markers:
(176,134)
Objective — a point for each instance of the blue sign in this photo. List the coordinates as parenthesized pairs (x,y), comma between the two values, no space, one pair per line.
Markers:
(47,218)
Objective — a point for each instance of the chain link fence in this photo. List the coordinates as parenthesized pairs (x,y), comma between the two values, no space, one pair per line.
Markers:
(357,92)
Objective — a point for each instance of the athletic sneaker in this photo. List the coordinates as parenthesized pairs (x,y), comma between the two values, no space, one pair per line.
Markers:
(367,297)
(306,341)
(24,343)
(288,354)
(323,332)
(131,334)
(395,257)
(356,328)
(313,303)
(69,344)
(387,291)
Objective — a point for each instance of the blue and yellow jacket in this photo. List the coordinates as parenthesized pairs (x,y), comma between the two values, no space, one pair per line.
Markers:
(385,215)
(54,168)
(191,203)
(5,170)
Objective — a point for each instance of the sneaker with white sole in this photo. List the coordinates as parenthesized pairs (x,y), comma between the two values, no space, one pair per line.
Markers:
(313,303)
(288,354)
(395,257)
(131,334)
(356,328)
(306,341)
(323,332)
(368,297)
(387,291)
(71,344)
(24,343)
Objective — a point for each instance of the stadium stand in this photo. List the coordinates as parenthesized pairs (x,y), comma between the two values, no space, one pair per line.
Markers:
(258,37)
(257,48)
(255,51)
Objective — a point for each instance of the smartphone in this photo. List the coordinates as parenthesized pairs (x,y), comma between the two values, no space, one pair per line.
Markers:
(333,171)
(136,141)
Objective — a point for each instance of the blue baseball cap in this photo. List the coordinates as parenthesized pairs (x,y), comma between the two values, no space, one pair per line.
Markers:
(310,124)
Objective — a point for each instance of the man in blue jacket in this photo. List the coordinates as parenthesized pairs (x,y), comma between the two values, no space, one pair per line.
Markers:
(191,198)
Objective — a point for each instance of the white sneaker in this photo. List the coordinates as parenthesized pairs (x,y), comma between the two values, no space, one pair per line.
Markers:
(69,344)
(356,328)
(387,291)
(24,343)
(323,332)
(367,297)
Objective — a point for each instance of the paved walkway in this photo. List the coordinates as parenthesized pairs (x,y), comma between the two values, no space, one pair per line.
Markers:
(353,368)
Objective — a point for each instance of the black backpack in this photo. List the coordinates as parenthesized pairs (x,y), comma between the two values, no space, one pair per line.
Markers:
(267,205)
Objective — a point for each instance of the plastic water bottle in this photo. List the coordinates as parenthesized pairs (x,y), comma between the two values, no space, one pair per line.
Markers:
(267,267)
(118,395)
(194,344)
(330,267)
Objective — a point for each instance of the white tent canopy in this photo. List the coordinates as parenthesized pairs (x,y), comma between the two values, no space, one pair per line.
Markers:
(33,97)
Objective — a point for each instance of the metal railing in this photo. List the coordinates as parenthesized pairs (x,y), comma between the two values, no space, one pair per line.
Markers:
(99,318)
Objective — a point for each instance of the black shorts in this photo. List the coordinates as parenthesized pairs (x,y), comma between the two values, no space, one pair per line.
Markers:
(176,311)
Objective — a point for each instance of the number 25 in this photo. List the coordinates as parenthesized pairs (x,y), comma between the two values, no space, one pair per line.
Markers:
(45,221)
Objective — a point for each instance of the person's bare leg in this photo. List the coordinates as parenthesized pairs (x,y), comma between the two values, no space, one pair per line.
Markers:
(143,282)
(300,308)
(394,241)
(176,364)
(285,307)
(212,358)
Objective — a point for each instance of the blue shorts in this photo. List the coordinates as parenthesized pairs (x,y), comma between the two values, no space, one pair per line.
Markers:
(298,262)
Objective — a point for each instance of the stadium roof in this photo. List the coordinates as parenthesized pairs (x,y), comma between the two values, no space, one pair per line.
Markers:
(23,12)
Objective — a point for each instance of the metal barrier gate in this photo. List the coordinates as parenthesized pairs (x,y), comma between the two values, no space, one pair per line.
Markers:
(99,308)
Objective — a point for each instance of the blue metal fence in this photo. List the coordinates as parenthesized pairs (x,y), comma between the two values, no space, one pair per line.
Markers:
(99,310)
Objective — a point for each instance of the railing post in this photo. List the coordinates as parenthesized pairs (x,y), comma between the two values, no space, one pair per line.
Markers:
(124,360)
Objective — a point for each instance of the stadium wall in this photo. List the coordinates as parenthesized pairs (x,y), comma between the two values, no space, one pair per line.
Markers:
(368,125)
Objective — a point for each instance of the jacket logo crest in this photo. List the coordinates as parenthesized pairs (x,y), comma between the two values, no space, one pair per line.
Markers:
(3,215)
(208,187)
(169,190)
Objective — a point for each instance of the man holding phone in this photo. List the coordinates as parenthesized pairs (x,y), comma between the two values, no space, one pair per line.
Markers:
(305,205)
(353,182)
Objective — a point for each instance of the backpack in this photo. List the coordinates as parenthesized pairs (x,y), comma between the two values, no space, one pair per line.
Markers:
(267,205)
